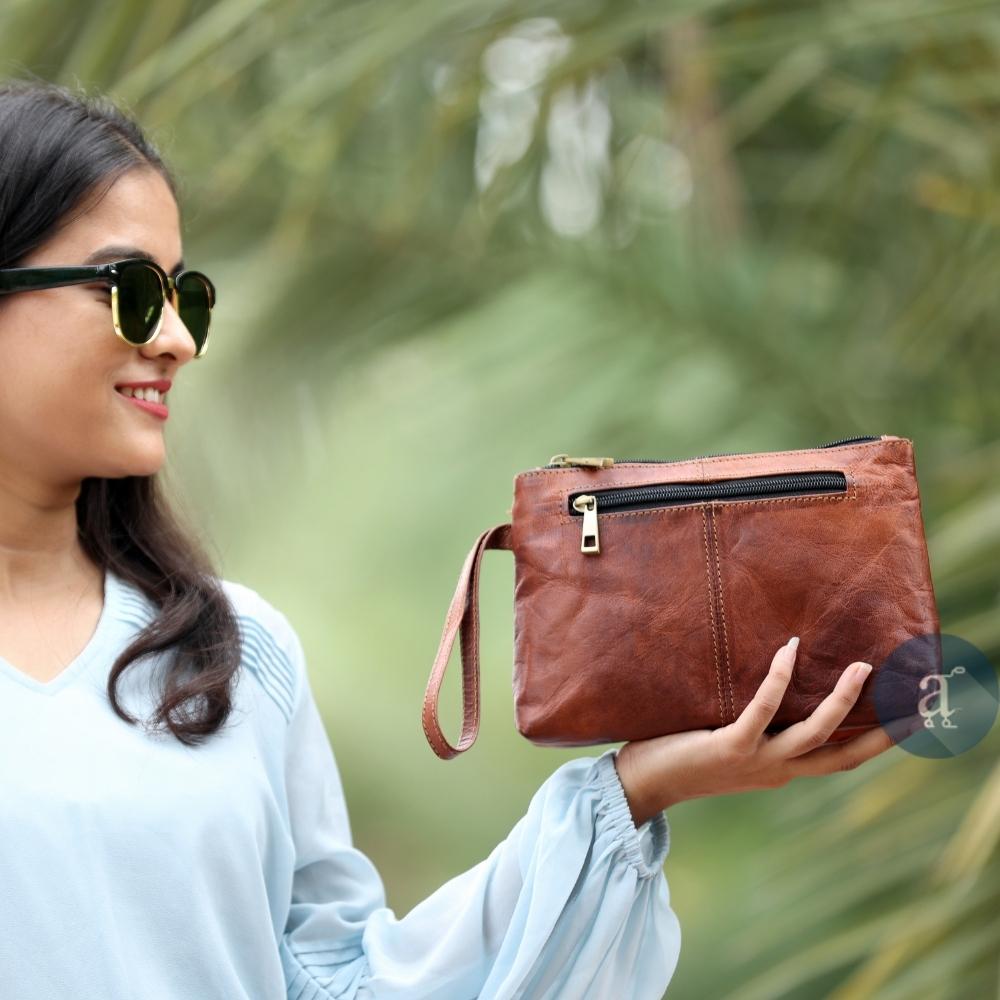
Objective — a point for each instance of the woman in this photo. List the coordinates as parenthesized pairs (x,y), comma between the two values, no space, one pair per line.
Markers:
(173,821)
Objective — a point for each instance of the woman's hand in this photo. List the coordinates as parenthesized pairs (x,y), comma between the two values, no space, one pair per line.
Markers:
(659,772)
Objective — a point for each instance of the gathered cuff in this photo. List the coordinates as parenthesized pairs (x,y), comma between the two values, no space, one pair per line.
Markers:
(646,847)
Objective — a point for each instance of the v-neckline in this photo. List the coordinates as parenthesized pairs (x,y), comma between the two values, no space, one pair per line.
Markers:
(83,659)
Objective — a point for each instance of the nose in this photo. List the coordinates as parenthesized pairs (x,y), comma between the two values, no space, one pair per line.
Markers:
(173,340)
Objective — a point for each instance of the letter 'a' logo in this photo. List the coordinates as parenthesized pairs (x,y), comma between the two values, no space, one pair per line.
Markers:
(943,681)
(936,702)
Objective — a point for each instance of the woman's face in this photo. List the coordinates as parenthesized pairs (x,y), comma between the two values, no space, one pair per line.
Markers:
(61,418)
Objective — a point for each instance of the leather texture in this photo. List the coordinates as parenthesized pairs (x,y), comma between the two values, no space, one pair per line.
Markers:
(674,624)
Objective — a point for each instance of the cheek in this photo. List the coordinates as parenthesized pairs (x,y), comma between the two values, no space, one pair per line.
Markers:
(60,360)
(51,330)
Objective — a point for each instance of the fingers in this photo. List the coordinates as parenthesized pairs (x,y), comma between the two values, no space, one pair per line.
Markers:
(747,730)
(814,731)
(840,757)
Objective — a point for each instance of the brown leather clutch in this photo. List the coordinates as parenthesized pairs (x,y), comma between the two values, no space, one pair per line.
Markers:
(650,595)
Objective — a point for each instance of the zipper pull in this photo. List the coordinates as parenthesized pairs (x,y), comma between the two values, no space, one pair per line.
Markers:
(592,463)
(590,542)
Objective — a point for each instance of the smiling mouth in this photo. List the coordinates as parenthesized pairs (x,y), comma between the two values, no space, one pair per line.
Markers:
(157,409)
(149,395)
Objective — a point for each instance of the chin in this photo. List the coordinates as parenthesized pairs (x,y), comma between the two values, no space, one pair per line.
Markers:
(135,465)
(148,467)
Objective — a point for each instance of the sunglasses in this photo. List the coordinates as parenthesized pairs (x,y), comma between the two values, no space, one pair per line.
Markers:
(139,289)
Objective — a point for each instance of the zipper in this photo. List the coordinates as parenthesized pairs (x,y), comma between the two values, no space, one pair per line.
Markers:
(562,461)
(586,503)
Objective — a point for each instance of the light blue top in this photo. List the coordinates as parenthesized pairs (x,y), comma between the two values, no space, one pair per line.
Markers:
(133,867)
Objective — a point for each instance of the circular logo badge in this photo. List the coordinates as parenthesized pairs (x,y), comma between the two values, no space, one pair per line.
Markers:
(936,695)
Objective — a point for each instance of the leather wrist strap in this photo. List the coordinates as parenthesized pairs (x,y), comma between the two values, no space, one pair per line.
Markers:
(464,612)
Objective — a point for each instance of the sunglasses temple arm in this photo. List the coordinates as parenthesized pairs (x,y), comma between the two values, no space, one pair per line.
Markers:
(27,279)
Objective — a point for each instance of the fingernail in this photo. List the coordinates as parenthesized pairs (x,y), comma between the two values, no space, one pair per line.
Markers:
(862,670)
(793,642)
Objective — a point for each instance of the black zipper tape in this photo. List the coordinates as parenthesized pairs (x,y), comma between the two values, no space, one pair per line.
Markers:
(747,487)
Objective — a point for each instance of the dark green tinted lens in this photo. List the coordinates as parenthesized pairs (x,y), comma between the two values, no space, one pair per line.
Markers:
(194,306)
(140,302)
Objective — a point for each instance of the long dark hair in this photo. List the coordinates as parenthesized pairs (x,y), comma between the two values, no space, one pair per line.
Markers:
(58,148)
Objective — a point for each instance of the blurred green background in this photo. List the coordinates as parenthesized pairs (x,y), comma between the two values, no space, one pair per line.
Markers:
(454,239)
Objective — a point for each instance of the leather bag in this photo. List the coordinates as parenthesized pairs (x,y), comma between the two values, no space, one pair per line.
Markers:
(650,596)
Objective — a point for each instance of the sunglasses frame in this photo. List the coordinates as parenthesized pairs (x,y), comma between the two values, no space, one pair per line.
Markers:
(29,279)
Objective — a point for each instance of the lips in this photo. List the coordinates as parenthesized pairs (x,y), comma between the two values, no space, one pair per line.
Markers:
(163,384)
(156,409)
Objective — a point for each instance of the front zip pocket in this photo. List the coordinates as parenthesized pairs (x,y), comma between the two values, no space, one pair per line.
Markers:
(586,503)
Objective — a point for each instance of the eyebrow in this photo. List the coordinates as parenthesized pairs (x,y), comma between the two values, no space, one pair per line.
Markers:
(122,251)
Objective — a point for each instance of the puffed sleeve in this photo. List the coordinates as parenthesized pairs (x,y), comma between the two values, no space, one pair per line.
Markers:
(573,903)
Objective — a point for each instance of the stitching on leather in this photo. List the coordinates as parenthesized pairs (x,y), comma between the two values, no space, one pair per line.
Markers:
(722,610)
(564,493)
(848,473)
(427,735)
(428,706)
(473,598)
(711,612)
(430,695)
(718,458)
(677,508)
(455,613)
(800,451)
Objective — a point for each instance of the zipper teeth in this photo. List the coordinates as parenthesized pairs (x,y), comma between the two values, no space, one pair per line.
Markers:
(851,440)
(749,486)
(721,454)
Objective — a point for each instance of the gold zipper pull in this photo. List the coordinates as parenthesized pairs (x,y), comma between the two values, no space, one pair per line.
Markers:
(590,463)
(587,505)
